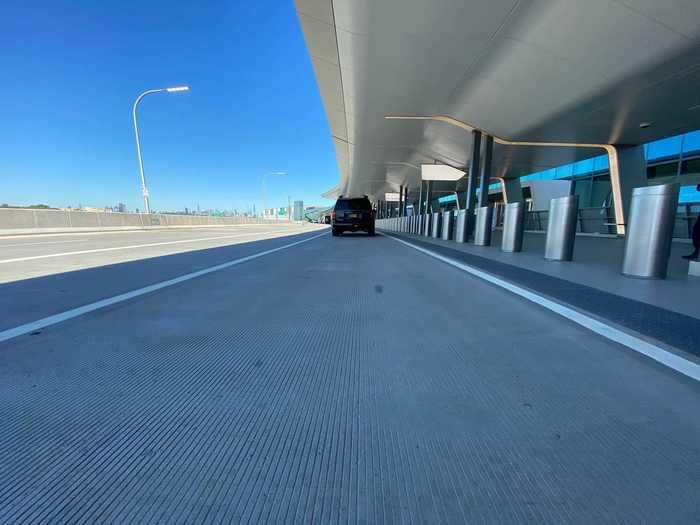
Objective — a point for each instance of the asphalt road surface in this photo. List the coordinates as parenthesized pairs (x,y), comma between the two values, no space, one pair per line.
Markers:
(307,378)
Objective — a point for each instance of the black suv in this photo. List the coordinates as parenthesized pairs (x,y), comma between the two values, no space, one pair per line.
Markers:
(352,215)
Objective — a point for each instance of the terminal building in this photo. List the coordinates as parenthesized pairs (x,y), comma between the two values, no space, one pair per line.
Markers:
(527,102)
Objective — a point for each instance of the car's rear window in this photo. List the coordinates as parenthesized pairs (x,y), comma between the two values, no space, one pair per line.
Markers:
(352,204)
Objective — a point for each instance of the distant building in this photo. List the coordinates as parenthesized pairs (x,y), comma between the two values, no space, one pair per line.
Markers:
(298,214)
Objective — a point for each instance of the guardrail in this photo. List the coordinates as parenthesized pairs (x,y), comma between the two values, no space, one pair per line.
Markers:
(602,220)
(18,220)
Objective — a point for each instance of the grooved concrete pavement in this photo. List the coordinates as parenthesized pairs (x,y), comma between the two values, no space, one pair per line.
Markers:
(343,380)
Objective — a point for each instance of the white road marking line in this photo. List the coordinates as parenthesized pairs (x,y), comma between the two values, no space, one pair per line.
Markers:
(128,231)
(19,245)
(658,354)
(129,247)
(75,312)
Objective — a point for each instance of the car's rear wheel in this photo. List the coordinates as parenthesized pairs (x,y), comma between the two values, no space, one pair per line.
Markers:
(335,232)
(370,232)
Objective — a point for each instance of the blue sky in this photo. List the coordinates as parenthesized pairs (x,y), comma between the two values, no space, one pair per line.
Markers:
(73,68)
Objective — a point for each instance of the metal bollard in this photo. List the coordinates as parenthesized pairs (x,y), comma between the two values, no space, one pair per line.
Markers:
(460,234)
(561,228)
(482,230)
(694,268)
(426,225)
(435,227)
(513,225)
(650,225)
(447,226)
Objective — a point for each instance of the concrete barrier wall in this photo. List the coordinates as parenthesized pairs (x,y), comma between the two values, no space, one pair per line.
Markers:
(13,221)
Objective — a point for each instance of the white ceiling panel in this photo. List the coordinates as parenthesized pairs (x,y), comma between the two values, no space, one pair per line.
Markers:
(539,70)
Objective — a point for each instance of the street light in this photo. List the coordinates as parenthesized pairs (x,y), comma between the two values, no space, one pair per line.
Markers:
(144,189)
(264,185)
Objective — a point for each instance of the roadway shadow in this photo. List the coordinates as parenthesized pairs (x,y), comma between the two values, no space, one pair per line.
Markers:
(27,300)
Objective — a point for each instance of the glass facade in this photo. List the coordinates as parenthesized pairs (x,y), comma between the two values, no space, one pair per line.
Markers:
(663,158)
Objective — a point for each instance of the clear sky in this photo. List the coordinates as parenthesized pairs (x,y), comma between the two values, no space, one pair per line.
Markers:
(71,70)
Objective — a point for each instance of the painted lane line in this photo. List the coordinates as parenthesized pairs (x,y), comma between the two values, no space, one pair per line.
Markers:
(147,229)
(129,247)
(658,354)
(91,307)
(19,245)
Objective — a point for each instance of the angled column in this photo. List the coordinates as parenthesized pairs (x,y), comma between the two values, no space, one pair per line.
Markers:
(427,213)
(512,190)
(485,175)
(405,200)
(484,213)
(465,221)
(420,209)
(474,166)
(629,173)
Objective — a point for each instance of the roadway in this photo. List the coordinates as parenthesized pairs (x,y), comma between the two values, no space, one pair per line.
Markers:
(27,256)
(309,378)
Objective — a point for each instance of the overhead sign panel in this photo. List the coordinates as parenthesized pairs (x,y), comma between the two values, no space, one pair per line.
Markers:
(440,172)
(391,197)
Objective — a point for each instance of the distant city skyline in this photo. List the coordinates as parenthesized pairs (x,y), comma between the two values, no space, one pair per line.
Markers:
(254,107)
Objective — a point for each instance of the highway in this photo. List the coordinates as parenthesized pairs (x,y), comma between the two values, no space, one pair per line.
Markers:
(28,256)
(305,378)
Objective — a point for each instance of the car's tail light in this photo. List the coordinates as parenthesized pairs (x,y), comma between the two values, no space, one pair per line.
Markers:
(332,214)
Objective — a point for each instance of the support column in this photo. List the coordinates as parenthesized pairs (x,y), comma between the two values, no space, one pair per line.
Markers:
(419,212)
(627,171)
(485,177)
(474,163)
(420,197)
(405,201)
(426,213)
(429,196)
(512,190)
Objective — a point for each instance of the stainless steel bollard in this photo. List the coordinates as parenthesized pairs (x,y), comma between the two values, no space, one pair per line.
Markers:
(435,226)
(460,234)
(561,228)
(694,268)
(649,231)
(513,225)
(426,225)
(447,226)
(482,230)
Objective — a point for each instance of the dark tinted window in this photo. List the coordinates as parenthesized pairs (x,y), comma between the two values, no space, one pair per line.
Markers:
(352,204)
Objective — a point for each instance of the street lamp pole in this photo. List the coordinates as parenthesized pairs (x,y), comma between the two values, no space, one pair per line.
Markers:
(144,188)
